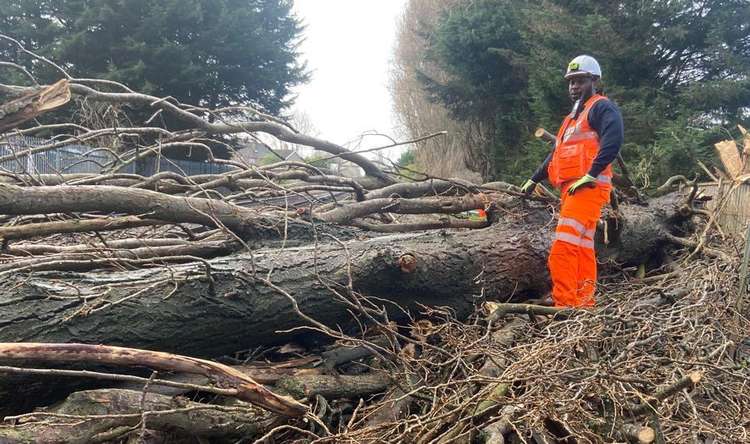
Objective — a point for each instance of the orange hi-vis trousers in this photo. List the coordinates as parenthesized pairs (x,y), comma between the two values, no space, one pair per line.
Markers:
(572,260)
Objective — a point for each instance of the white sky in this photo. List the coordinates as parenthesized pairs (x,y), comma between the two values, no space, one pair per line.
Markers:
(348,48)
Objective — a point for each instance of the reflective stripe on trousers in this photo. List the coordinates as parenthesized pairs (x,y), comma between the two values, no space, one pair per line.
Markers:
(585,236)
(572,239)
(572,260)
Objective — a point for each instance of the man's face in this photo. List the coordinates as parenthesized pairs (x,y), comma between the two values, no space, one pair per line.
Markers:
(580,87)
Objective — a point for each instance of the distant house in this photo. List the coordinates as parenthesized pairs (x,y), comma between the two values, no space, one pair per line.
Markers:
(348,169)
(290,155)
(255,153)
(251,153)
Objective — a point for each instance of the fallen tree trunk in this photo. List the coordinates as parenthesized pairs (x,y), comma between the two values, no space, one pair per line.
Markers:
(106,415)
(94,259)
(64,198)
(75,226)
(247,389)
(237,309)
(332,387)
(231,299)
(217,307)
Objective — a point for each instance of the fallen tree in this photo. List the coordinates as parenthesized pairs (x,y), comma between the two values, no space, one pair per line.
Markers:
(109,415)
(244,387)
(246,299)
(262,297)
(261,260)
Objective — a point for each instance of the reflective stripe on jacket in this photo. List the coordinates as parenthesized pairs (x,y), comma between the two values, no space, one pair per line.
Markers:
(576,148)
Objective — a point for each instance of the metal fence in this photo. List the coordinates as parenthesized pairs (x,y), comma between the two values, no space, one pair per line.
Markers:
(66,159)
(76,158)
(153,165)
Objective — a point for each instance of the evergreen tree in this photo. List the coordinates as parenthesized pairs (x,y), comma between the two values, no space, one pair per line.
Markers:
(678,70)
(481,47)
(207,52)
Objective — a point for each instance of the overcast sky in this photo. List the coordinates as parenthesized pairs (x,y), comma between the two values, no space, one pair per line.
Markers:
(348,48)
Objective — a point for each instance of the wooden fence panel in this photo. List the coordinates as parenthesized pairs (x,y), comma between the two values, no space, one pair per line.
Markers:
(735,200)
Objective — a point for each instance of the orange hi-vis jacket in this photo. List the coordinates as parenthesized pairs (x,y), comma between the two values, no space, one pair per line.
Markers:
(572,259)
(576,148)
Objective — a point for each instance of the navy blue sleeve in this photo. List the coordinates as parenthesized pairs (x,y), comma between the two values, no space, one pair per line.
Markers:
(541,172)
(606,120)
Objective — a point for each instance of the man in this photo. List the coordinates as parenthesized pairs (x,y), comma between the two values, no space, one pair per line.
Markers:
(588,141)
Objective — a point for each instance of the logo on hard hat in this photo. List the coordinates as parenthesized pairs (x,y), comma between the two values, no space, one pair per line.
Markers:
(583,64)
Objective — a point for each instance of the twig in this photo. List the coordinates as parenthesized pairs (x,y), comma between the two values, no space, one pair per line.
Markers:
(687,382)
(530,309)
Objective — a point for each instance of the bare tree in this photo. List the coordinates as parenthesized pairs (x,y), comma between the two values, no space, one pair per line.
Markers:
(454,154)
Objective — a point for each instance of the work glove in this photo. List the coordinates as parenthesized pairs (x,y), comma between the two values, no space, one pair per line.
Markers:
(585,181)
(528,187)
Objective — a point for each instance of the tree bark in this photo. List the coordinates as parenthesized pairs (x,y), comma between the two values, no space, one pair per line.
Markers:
(65,198)
(243,311)
(247,389)
(83,261)
(150,308)
(332,387)
(75,226)
(113,413)
(22,109)
(243,300)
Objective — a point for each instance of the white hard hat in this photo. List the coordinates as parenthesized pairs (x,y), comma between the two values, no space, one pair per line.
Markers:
(583,64)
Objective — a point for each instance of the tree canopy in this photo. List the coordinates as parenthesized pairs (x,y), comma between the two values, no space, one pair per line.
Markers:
(208,52)
(678,70)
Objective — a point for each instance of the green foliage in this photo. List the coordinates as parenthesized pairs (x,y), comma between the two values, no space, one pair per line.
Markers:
(407,158)
(208,52)
(677,69)
(407,166)
(481,47)
(675,150)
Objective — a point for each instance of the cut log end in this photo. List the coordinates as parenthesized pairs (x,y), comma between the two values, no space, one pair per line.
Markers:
(695,377)
(543,134)
(407,262)
(639,434)
(646,435)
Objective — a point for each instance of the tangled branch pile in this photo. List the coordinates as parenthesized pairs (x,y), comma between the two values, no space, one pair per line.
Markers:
(309,319)
(658,359)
